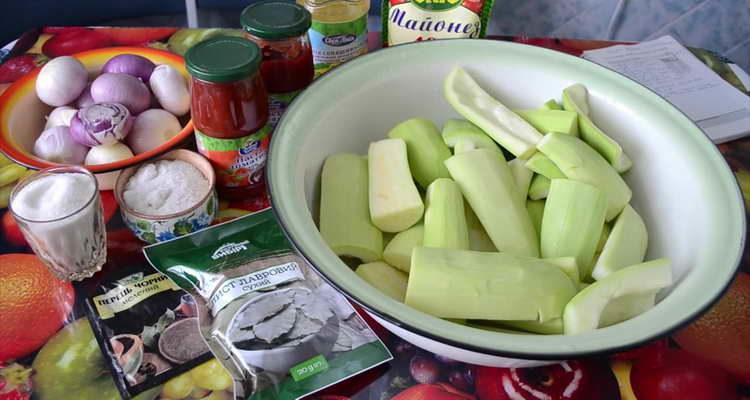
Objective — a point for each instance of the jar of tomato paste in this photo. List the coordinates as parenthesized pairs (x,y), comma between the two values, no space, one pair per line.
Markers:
(230,113)
(279,28)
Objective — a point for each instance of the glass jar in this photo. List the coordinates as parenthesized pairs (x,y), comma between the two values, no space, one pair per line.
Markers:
(279,28)
(229,108)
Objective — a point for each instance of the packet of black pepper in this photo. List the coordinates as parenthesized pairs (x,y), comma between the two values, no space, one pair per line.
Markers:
(268,317)
(406,21)
(146,326)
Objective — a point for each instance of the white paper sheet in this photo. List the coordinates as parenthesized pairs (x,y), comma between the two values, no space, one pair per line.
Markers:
(669,69)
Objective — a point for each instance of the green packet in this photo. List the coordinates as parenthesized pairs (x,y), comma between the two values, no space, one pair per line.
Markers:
(268,317)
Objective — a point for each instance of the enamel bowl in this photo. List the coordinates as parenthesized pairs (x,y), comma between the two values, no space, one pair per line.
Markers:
(681,184)
(22,115)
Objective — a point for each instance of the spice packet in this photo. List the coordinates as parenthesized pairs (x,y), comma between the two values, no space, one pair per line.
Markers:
(146,326)
(268,317)
(406,21)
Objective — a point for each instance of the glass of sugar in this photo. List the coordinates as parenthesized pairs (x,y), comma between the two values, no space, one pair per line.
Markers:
(59,211)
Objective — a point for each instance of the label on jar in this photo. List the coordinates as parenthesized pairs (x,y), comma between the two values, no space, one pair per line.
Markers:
(238,162)
(277,104)
(418,20)
(335,43)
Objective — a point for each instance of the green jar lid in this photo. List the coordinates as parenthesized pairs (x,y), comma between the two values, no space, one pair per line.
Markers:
(223,59)
(275,19)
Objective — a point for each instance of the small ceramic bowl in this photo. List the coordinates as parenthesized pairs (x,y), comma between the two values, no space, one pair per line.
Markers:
(152,228)
(22,115)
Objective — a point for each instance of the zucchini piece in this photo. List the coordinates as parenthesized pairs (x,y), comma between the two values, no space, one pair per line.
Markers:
(489,286)
(495,119)
(398,251)
(344,209)
(478,238)
(567,265)
(583,313)
(395,203)
(551,104)
(551,327)
(573,222)
(625,246)
(539,188)
(542,165)
(580,162)
(462,133)
(521,176)
(575,98)
(385,278)
(536,212)
(545,121)
(444,216)
(425,149)
(628,306)
(487,184)
(603,239)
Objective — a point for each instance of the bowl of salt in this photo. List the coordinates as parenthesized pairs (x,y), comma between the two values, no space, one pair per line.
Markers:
(169,197)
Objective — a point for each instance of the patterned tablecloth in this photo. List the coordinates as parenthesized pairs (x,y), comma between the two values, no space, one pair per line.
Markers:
(710,353)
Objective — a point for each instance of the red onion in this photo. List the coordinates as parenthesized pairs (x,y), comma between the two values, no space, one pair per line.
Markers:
(104,123)
(56,145)
(131,64)
(85,99)
(121,88)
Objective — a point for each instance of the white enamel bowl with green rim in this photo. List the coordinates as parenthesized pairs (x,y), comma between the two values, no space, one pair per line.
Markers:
(681,184)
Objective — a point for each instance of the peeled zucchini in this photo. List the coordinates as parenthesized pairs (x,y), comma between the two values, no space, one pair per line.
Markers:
(478,238)
(444,216)
(539,188)
(385,278)
(489,286)
(536,212)
(344,211)
(551,104)
(487,184)
(398,251)
(395,203)
(425,149)
(583,313)
(580,162)
(575,98)
(542,165)
(522,176)
(626,244)
(462,133)
(500,123)
(573,221)
(546,121)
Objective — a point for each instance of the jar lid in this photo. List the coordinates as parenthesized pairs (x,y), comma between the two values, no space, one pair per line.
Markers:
(275,19)
(223,59)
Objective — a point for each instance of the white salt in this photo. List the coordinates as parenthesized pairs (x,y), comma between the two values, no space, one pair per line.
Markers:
(53,196)
(165,187)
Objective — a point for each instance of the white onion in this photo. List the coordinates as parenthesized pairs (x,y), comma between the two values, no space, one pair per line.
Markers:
(108,153)
(56,145)
(151,129)
(61,81)
(170,89)
(60,116)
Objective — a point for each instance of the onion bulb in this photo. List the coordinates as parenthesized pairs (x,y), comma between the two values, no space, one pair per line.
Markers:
(56,145)
(60,116)
(151,129)
(170,89)
(85,99)
(131,64)
(121,88)
(109,153)
(104,123)
(61,81)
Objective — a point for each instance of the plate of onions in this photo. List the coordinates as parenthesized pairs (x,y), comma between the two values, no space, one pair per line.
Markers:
(106,109)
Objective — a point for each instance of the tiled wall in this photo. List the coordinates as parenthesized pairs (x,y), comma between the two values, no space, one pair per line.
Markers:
(719,25)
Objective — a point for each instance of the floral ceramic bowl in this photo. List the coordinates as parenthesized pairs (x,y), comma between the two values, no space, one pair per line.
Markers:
(151,228)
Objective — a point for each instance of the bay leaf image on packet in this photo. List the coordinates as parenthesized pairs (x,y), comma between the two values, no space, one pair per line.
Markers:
(279,329)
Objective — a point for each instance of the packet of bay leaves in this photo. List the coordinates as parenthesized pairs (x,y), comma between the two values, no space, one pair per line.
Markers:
(268,317)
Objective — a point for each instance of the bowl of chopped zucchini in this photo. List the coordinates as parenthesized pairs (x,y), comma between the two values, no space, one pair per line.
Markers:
(503,204)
